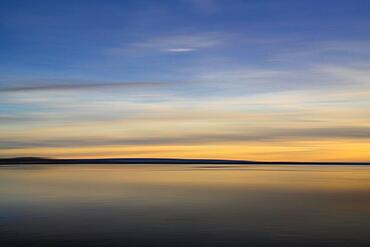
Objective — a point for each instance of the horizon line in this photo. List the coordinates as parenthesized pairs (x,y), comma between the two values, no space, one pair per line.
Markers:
(138,160)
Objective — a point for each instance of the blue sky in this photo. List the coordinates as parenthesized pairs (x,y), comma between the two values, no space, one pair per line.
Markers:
(79,63)
(93,39)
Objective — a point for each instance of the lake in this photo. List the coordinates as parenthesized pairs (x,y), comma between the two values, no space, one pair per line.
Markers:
(184,205)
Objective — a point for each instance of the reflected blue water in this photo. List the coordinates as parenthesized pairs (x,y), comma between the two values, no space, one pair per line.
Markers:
(184,205)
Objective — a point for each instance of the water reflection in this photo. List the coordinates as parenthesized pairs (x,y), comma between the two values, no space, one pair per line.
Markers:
(185,205)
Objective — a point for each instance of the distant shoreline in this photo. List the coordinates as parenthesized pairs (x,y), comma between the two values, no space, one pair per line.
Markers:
(49,161)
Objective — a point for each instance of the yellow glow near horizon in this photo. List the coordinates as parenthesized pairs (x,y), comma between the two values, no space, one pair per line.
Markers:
(293,151)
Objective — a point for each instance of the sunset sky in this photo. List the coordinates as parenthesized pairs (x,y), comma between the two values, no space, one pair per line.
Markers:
(255,80)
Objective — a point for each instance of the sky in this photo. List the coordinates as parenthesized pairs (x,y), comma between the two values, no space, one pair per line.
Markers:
(253,79)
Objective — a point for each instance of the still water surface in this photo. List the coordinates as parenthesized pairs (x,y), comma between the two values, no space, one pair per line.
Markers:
(184,205)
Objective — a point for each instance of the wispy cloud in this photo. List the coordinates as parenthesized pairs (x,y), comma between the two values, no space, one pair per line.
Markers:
(275,135)
(173,43)
(251,80)
(178,49)
(58,85)
(349,46)
(337,52)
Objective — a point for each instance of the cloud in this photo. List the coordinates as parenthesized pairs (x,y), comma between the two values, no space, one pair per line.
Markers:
(275,135)
(250,80)
(179,49)
(173,43)
(336,52)
(350,46)
(354,75)
(58,85)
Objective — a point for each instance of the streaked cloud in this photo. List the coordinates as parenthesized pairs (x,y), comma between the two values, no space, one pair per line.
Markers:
(262,136)
(335,52)
(179,49)
(173,43)
(57,85)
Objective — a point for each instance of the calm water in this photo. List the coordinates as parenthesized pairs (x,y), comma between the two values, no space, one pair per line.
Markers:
(184,205)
